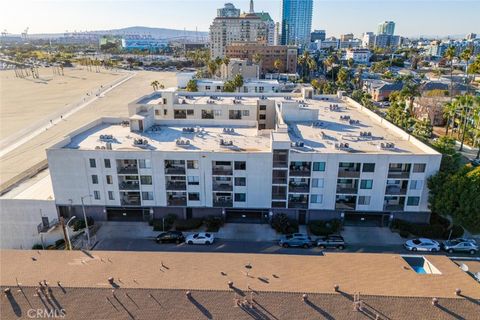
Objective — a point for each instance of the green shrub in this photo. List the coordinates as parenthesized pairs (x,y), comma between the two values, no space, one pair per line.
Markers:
(188,224)
(213,223)
(437,231)
(59,242)
(79,224)
(37,246)
(324,228)
(404,234)
(457,232)
(283,224)
(167,222)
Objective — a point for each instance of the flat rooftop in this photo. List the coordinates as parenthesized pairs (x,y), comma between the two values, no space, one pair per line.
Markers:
(370,274)
(38,187)
(164,138)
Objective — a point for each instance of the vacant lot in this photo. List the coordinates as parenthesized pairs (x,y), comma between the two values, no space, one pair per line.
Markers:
(113,104)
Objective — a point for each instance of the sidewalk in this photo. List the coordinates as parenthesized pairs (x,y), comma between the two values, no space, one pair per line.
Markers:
(247,231)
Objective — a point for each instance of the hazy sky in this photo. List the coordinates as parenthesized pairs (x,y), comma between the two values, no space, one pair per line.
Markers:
(420,17)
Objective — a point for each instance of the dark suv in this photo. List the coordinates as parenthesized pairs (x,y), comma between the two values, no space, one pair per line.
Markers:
(331,242)
(170,237)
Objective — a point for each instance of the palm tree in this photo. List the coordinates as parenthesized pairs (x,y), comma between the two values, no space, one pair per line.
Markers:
(278,64)
(155,85)
(450,54)
(466,55)
(328,63)
(467,103)
(410,91)
(212,68)
(226,61)
(449,113)
(307,62)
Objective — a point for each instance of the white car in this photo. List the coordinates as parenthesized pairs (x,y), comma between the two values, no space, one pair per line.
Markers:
(200,238)
(422,244)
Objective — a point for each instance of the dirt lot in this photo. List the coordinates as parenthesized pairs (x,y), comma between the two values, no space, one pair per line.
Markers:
(113,104)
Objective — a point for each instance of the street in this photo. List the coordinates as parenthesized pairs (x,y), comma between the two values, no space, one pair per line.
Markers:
(231,246)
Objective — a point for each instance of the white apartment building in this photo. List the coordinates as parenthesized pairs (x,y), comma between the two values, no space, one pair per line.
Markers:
(243,155)
(227,30)
(358,55)
(249,86)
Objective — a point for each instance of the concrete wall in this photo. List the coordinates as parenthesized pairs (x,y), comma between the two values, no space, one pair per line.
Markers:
(19,219)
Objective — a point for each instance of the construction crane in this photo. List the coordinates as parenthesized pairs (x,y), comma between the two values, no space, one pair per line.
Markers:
(25,33)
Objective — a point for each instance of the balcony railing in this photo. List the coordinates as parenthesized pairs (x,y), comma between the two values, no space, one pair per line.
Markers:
(395,190)
(176,185)
(129,186)
(297,172)
(130,202)
(280,164)
(348,174)
(222,187)
(222,203)
(304,188)
(399,174)
(393,207)
(175,170)
(44,228)
(347,190)
(279,196)
(218,171)
(345,206)
(177,202)
(279,180)
(128,170)
(298,205)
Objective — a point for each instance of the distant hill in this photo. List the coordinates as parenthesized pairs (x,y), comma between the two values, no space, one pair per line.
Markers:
(158,33)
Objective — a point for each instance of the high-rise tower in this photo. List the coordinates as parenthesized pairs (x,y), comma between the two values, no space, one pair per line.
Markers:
(296,21)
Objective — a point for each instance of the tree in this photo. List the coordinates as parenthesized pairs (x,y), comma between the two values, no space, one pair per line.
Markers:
(226,61)
(422,129)
(257,58)
(410,91)
(328,64)
(278,64)
(450,54)
(450,157)
(449,113)
(466,55)
(192,85)
(466,103)
(212,68)
(307,63)
(155,84)
(238,81)
(342,78)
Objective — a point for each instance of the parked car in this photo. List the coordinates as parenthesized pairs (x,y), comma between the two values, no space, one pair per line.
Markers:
(170,237)
(296,240)
(332,241)
(460,246)
(466,240)
(200,238)
(422,244)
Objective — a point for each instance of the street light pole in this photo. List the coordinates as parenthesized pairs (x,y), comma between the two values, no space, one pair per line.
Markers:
(86,222)
(68,235)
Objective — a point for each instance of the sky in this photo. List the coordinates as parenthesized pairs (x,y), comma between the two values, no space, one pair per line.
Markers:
(412,17)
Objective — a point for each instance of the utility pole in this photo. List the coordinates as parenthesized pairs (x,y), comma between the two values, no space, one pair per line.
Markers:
(65,237)
(87,231)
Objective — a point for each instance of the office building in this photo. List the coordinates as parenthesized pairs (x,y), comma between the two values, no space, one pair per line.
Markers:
(228,10)
(318,35)
(296,21)
(368,40)
(387,28)
(268,54)
(346,37)
(471,36)
(198,154)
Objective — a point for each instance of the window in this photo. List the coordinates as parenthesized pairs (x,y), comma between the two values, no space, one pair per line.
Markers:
(364,200)
(96,195)
(179,114)
(319,166)
(366,184)
(416,184)
(144,163)
(316,198)
(263,107)
(94,179)
(419,167)
(240,182)
(157,112)
(207,114)
(246,113)
(147,195)
(261,117)
(194,196)
(190,112)
(165,112)
(240,165)
(217,113)
(93,163)
(110,195)
(368,167)
(192,164)
(146,180)
(193,180)
(107,163)
(413,201)
(109,179)
(317,183)
(240,197)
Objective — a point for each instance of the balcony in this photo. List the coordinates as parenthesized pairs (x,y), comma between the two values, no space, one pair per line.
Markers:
(345,202)
(177,202)
(299,171)
(176,185)
(222,171)
(394,203)
(175,170)
(393,207)
(222,203)
(128,170)
(129,185)
(222,187)
(299,187)
(395,190)
(297,205)
(280,164)
(46,226)
(347,190)
(348,173)
(399,174)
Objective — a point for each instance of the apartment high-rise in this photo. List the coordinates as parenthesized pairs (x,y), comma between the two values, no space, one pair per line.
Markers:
(318,35)
(228,10)
(296,21)
(386,27)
